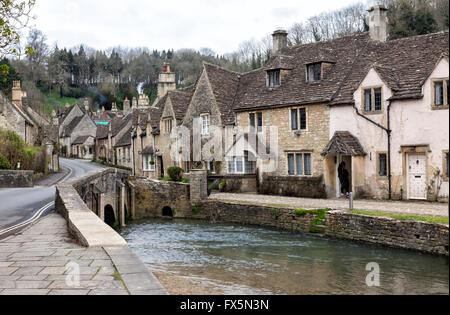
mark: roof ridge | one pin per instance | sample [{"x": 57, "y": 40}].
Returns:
[
  {"x": 220, "y": 67},
  {"x": 415, "y": 36},
  {"x": 327, "y": 40}
]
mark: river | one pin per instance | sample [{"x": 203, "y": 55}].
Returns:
[{"x": 195, "y": 257}]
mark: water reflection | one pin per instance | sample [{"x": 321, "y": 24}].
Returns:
[{"x": 249, "y": 260}]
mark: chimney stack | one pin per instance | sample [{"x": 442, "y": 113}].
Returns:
[
  {"x": 17, "y": 94},
  {"x": 279, "y": 41},
  {"x": 166, "y": 81},
  {"x": 86, "y": 104},
  {"x": 377, "y": 22},
  {"x": 126, "y": 105}
]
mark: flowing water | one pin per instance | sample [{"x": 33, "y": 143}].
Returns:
[{"x": 234, "y": 259}]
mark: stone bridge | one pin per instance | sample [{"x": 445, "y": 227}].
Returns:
[{"x": 106, "y": 192}]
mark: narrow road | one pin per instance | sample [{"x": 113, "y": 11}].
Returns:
[{"x": 22, "y": 206}]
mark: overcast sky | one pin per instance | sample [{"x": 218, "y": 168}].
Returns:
[{"x": 217, "y": 24}]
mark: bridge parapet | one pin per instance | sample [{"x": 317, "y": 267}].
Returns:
[{"x": 82, "y": 202}]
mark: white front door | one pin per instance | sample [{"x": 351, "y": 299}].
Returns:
[{"x": 417, "y": 176}]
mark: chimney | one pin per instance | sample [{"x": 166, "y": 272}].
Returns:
[
  {"x": 55, "y": 121},
  {"x": 166, "y": 81},
  {"x": 17, "y": 94},
  {"x": 279, "y": 41},
  {"x": 86, "y": 104},
  {"x": 126, "y": 105},
  {"x": 377, "y": 21}
]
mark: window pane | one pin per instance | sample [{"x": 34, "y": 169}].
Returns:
[
  {"x": 250, "y": 166},
  {"x": 231, "y": 168},
  {"x": 274, "y": 78},
  {"x": 368, "y": 100},
  {"x": 260, "y": 121},
  {"x": 439, "y": 93},
  {"x": 239, "y": 165},
  {"x": 303, "y": 125},
  {"x": 317, "y": 71},
  {"x": 252, "y": 122},
  {"x": 383, "y": 164},
  {"x": 308, "y": 164},
  {"x": 294, "y": 119},
  {"x": 291, "y": 164},
  {"x": 378, "y": 101},
  {"x": 310, "y": 73},
  {"x": 299, "y": 164}
]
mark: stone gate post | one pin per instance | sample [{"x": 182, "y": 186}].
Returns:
[{"x": 199, "y": 185}]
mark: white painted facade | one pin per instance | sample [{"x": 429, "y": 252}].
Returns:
[{"x": 418, "y": 130}]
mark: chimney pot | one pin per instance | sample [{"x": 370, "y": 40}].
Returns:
[{"x": 279, "y": 41}]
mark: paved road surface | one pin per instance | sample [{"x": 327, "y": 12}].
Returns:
[{"x": 19, "y": 206}]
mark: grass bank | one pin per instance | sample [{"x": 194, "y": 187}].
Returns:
[{"x": 429, "y": 219}]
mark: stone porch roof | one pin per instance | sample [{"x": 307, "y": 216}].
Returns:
[{"x": 344, "y": 142}]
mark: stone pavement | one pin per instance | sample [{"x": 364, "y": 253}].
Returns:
[
  {"x": 402, "y": 207},
  {"x": 40, "y": 259}
]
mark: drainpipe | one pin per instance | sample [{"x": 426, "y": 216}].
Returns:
[{"x": 388, "y": 131}]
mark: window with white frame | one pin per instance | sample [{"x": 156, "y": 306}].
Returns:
[
  {"x": 205, "y": 124},
  {"x": 148, "y": 162},
  {"x": 299, "y": 164},
  {"x": 299, "y": 119},
  {"x": 241, "y": 165}
]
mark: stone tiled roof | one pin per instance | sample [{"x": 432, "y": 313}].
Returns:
[
  {"x": 51, "y": 133},
  {"x": 80, "y": 140},
  {"x": 224, "y": 84},
  {"x": 404, "y": 65},
  {"x": 148, "y": 150},
  {"x": 344, "y": 142},
  {"x": 180, "y": 101},
  {"x": 340, "y": 53},
  {"x": 125, "y": 140},
  {"x": 102, "y": 131},
  {"x": 70, "y": 127}
]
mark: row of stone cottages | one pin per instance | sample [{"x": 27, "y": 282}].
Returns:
[
  {"x": 35, "y": 129},
  {"x": 379, "y": 105}
]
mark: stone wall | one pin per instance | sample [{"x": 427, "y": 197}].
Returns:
[
  {"x": 152, "y": 196},
  {"x": 421, "y": 236},
  {"x": 16, "y": 179},
  {"x": 425, "y": 237},
  {"x": 240, "y": 184},
  {"x": 293, "y": 186}
]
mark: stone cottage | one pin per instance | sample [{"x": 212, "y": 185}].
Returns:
[
  {"x": 17, "y": 116},
  {"x": 395, "y": 105}
]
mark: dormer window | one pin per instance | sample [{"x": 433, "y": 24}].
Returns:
[
  {"x": 314, "y": 72},
  {"x": 274, "y": 78}
]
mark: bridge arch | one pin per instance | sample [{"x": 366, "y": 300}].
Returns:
[
  {"x": 110, "y": 217},
  {"x": 167, "y": 212}
]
